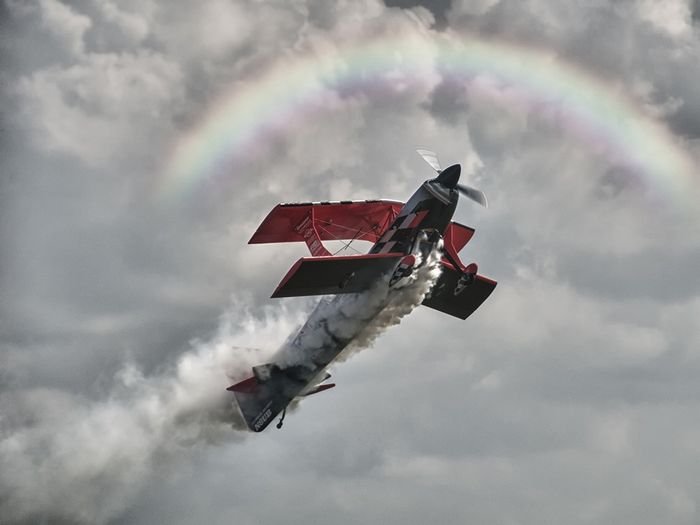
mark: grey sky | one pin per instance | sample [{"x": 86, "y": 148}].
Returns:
[{"x": 571, "y": 396}]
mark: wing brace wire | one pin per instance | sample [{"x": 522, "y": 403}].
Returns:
[{"x": 307, "y": 229}]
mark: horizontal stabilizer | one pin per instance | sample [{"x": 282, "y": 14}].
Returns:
[
  {"x": 261, "y": 400},
  {"x": 335, "y": 275},
  {"x": 317, "y": 389},
  {"x": 467, "y": 299}
]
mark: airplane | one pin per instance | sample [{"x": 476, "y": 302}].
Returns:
[{"x": 404, "y": 236}]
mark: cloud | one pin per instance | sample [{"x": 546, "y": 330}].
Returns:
[
  {"x": 66, "y": 25},
  {"x": 94, "y": 109},
  {"x": 66, "y": 456},
  {"x": 553, "y": 402},
  {"x": 438, "y": 8}
]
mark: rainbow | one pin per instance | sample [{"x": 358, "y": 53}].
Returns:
[{"x": 599, "y": 114}]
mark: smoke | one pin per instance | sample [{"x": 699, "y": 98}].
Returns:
[
  {"x": 358, "y": 319},
  {"x": 402, "y": 302},
  {"x": 66, "y": 457}
]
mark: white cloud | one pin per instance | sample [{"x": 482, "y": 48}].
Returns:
[
  {"x": 552, "y": 403},
  {"x": 134, "y": 25},
  {"x": 671, "y": 17},
  {"x": 65, "y": 24},
  {"x": 102, "y": 107}
]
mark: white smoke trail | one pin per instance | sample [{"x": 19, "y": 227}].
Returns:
[
  {"x": 65, "y": 457},
  {"x": 402, "y": 302},
  {"x": 361, "y": 318}
]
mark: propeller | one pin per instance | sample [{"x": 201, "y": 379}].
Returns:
[
  {"x": 431, "y": 158},
  {"x": 450, "y": 180},
  {"x": 473, "y": 194}
]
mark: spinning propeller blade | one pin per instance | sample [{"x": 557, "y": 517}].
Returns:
[
  {"x": 473, "y": 194},
  {"x": 431, "y": 158}
]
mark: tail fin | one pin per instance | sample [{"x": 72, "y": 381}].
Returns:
[{"x": 268, "y": 392}]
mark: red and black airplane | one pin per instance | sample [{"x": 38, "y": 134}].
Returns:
[{"x": 403, "y": 236}]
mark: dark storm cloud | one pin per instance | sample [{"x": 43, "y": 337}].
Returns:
[
  {"x": 686, "y": 122},
  {"x": 637, "y": 43},
  {"x": 695, "y": 10},
  {"x": 448, "y": 101},
  {"x": 438, "y": 8}
]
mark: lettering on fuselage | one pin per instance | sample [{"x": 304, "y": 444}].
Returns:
[{"x": 263, "y": 417}]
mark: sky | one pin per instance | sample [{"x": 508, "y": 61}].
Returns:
[{"x": 142, "y": 142}]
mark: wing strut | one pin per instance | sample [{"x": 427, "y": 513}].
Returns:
[
  {"x": 307, "y": 229},
  {"x": 453, "y": 258}
]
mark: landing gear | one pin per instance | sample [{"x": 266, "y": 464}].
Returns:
[
  {"x": 465, "y": 280},
  {"x": 468, "y": 274},
  {"x": 279, "y": 423}
]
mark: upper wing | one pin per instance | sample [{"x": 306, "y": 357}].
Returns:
[{"x": 360, "y": 220}]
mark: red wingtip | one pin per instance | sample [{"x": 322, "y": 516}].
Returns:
[{"x": 248, "y": 386}]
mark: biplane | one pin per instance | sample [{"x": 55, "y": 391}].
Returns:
[{"x": 402, "y": 236}]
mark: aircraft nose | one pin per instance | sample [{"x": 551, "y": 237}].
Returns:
[{"x": 449, "y": 177}]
